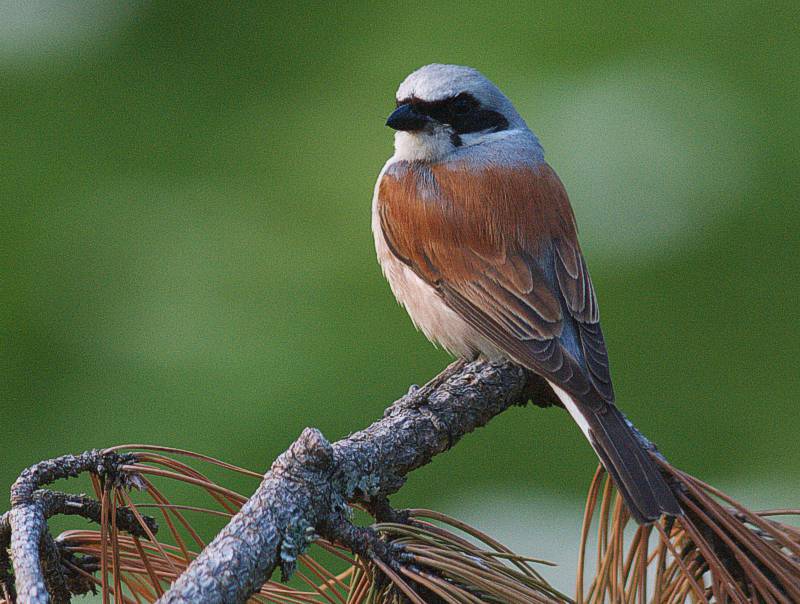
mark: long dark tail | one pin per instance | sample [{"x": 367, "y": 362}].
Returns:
[{"x": 625, "y": 458}]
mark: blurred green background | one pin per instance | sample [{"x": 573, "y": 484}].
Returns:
[{"x": 187, "y": 260}]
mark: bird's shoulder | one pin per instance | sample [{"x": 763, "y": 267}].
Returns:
[{"x": 490, "y": 210}]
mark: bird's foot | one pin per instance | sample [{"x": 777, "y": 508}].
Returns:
[
  {"x": 367, "y": 543},
  {"x": 380, "y": 509}
]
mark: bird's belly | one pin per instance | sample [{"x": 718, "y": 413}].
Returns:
[{"x": 440, "y": 324}]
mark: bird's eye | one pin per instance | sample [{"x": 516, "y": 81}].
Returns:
[{"x": 461, "y": 105}]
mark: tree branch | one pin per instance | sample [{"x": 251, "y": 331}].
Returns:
[
  {"x": 30, "y": 508},
  {"x": 304, "y": 495},
  {"x": 307, "y": 490}
]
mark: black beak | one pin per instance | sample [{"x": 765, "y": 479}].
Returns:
[{"x": 405, "y": 118}]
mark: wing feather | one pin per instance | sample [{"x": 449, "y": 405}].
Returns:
[{"x": 501, "y": 248}]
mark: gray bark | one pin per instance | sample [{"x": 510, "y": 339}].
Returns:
[
  {"x": 307, "y": 489},
  {"x": 305, "y": 493},
  {"x": 27, "y": 521}
]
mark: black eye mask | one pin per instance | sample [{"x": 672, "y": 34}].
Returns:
[{"x": 463, "y": 113}]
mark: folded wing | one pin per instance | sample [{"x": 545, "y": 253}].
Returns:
[{"x": 500, "y": 246}]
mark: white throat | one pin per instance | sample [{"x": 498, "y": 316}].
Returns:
[{"x": 428, "y": 146}]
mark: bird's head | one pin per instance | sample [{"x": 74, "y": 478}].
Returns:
[{"x": 444, "y": 108}]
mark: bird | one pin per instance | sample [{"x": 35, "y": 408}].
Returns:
[{"x": 476, "y": 236}]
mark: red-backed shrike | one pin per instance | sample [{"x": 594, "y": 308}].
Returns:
[{"x": 475, "y": 233}]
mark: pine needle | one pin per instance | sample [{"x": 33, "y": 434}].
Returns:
[{"x": 719, "y": 552}]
